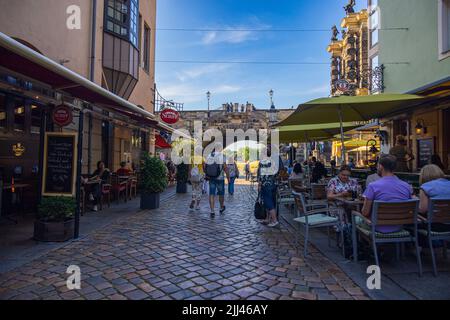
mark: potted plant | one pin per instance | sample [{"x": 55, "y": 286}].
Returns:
[
  {"x": 153, "y": 181},
  {"x": 182, "y": 177},
  {"x": 55, "y": 222}
]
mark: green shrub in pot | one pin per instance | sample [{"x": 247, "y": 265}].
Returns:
[
  {"x": 153, "y": 181},
  {"x": 56, "y": 209}
]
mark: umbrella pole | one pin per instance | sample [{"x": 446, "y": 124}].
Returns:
[{"x": 342, "y": 134}]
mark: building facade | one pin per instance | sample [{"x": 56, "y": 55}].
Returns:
[
  {"x": 413, "y": 46},
  {"x": 349, "y": 54},
  {"x": 111, "y": 43}
]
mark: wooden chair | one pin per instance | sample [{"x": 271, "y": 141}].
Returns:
[
  {"x": 311, "y": 218},
  {"x": 388, "y": 214},
  {"x": 438, "y": 212},
  {"x": 133, "y": 187},
  {"x": 119, "y": 187}
]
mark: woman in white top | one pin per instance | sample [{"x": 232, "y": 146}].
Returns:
[{"x": 297, "y": 172}]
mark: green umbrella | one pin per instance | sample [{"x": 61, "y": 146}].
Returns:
[
  {"x": 350, "y": 108},
  {"x": 314, "y": 132}
]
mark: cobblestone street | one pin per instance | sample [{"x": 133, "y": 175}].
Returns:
[{"x": 172, "y": 253}]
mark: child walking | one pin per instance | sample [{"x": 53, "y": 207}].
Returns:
[{"x": 197, "y": 178}]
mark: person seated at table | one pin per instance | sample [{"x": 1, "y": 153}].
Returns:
[
  {"x": 297, "y": 172},
  {"x": 351, "y": 163},
  {"x": 374, "y": 176},
  {"x": 389, "y": 188},
  {"x": 342, "y": 185},
  {"x": 102, "y": 175},
  {"x": 433, "y": 185},
  {"x": 318, "y": 170},
  {"x": 123, "y": 170}
]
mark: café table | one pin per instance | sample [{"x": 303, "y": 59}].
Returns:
[{"x": 89, "y": 186}]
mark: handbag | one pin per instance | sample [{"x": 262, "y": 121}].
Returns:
[{"x": 260, "y": 212}]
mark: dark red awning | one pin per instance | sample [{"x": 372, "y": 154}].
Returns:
[{"x": 161, "y": 143}]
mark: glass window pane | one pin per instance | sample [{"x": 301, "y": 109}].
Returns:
[
  {"x": 110, "y": 26},
  {"x": 2, "y": 112},
  {"x": 124, "y": 32},
  {"x": 19, "y": 115},
  {"x": 374, "y": 37},
  {"x": 35, "y": 119},
  {"x": 110, "y": 12},
  {"x": 116, "y": 28},
  {"x": 118, "y": 16},
  {"x": 375, "y": 62}
]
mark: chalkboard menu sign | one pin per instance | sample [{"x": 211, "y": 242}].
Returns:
[
  {"x": 425, "y": 149},
  {"x": 60, "y": 156}
]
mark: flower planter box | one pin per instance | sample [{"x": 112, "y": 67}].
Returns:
[
  {"x": 149, "y": 201},
  {"x": 54, "y": 231}
]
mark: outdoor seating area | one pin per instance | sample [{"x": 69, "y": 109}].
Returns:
[{"x": 357, "y": 236}]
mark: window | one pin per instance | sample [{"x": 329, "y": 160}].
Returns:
[
  {"x": 19, "y": 115},
  {"x": 147, "y": 38},
  {"x": 374, "y": 62},
  {"x": 374, "y": 26},
  {"x": 121, "y": 18},
  {"x": 134, "y": 21},
  {"x": 3, "y": 114},
  {"x": 35, "y": 119},
  {"x": 373, "y": 5},
  {"x": 444, "y": 28}
]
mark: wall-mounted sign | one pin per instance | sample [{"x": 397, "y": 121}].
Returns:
[
  {"x": 60, "y": 156},
  {"x": 62, "y": 115},
  {"x": 170, "y": 116},
  {"x": 18, "y": 149},
  {"x": 342, "y": 85}
]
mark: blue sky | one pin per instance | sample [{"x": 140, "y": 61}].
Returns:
[{"x": 292, "y": 84}]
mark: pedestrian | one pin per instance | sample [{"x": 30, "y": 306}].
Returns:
[
  {"x": 267, "y": 184},
  {"x": 318, "y": 171},
  {"x": 215, "y": 172},
  {"x": 232, "y": 174},
  {"x": 402, "y": 153},
  {"x": 247, "y": 170},
  {"x": 197, "y": 178}
]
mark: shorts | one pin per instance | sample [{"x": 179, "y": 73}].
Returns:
[{"x": 216, "y": 187}]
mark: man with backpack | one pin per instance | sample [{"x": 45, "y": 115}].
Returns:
[{"x": 215, "y": 171}]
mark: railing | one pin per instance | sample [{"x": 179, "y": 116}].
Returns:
[{"x": 161, "y": 103}]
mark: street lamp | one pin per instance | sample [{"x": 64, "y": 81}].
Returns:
[
  {"x": 271, "y": 97},
  {"x": 208, "y": 96}
]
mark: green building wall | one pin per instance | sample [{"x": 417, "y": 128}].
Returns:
[{"x": 410, "y": 57}]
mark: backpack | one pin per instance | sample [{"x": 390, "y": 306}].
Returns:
[
  {"x": 232, "y": 170},
  {"x": 213, "y": 170},
  {"x": 195, "y": 175}
]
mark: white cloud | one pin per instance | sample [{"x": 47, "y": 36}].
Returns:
[
  {"x": 233, "y": 36},
  {"x": 200, "y": 71}
]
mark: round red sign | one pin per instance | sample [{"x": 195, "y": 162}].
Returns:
[
  {"x": 170, "y": 116},
  {"x": 342, "y": 85},
  {"x": 62, "y": 115}
]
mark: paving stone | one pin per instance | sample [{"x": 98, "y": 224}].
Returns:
[{"x": 143, "y": 256}]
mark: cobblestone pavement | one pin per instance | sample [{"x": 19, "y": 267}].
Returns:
[{"x": 172, "y": 253}]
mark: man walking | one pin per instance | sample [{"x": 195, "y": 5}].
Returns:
[{"x": 215, "y": 171}]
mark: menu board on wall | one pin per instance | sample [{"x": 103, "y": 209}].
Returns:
[
  {"x": 60, "y": 156},
  {"x": 425, "y": 149}
]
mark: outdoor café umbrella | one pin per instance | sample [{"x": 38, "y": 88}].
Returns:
[
  {"x": 311, "y": 132},
  {"x": 349, "y": 108}
]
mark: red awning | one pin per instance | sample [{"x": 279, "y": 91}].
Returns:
[{"x": 161, "y": 143}]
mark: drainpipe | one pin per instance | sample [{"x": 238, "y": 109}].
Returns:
[{"x": 92, "y": 77}]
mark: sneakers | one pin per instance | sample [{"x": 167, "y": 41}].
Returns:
[
  {"x": 191, "y": 207},
  {"x": 273, "y": 224},
  {"x": 95, "y": 208},
  {"x": 91, "y": 197},
  {"x": 212, "y": 214},
  {"x": 222, "y": 210},
  {"x": 197, "y": 208}
]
